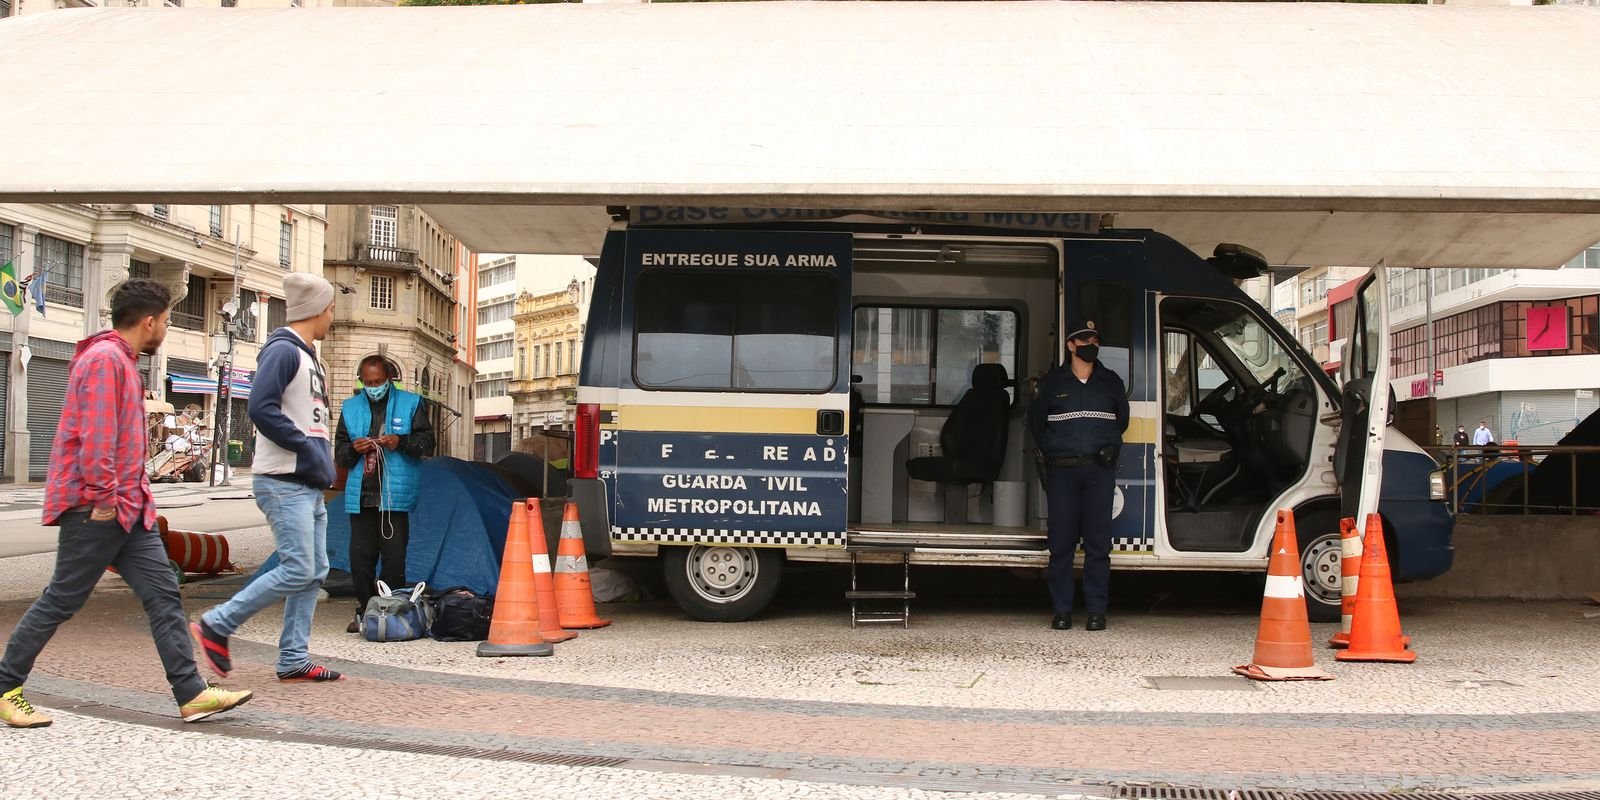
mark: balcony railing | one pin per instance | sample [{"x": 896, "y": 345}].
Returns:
[
  {"x": 56, "y": 293},
  {"x": 187, "y": 321},
  {"x": 386, "y": 256},
  {"x": 1501, "y": 479}
]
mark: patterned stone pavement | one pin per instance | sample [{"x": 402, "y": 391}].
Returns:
[{"x": 102, "y": 665}]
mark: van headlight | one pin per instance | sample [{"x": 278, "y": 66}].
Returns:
[{"x": 1436, "y": 485}]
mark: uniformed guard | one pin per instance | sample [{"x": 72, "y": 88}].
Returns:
[{"x": 1077, "y": 420}]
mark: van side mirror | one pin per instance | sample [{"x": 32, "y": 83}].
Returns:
[{"x": 1238, "y": 262}]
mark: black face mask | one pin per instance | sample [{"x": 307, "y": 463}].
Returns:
[{"x": 1088, "y": 352}]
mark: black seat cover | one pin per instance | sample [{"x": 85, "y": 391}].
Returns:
[{"x": 974, "y": 436}]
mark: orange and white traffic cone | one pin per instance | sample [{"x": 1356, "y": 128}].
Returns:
[
  {"x": 1375, "y": 632},
  {"x": 1283, "y": 640},
  {"x": 543, "y": 582},
  {"x": 574, "y": 594},
  {"x": 514, "y": 627},
  {"x": 1350, "y": 578}
]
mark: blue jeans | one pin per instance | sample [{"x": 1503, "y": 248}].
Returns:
[
  {"x": 299, "y": 523},
  {"x": 86, "y": 548}
]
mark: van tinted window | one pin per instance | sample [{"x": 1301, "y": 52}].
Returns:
[
  {"x": 756, "y": 332},
  {"x": 1109, "y": 305}
]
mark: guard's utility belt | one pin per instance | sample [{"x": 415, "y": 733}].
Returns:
[{"x": 1106, "y": 457}]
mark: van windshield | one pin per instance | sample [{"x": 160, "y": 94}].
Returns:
[{"x": 1255, "y": 347}]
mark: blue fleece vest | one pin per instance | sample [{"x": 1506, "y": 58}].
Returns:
[{"x": 399, "y": 490}]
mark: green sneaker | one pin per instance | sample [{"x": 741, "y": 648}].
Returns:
[
  {"x": 212, "y": 701},
  {"x": 19, "y": 713}
]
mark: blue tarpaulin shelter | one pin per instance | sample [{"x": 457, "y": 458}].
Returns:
[{"x": 458, "y": 531}]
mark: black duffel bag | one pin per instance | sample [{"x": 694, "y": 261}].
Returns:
[{"x": 459, "y": 615}]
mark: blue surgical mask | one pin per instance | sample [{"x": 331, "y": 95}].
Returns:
[{"x": 377, "y": 392}]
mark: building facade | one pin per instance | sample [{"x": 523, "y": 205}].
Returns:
[
  {"x": 84, "y": 251},
  {"x": 1518, "y": 349},
  {"x": 494, "y": 350},
  {"x": 549, "y": 344},
  {"x": 1313, "y": 322},
  {"x": 502, "y": 279},
  {"x": 396, "y": 271}
]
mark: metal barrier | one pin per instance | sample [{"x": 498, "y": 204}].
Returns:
[{"x": 1468, "y": 473}]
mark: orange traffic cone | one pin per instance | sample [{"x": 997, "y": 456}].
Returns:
[
  {"x": 1283, "y": 641},
  {"x": 549, "y": 619},
  {"x": 514, "y": 627},
  {"x": 574, "y": 595},
  {"x": 1350, "y": 575},
  {"x": 1375, "y": 630}
]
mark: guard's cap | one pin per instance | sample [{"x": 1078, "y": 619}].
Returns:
[{"x": 1082, "y": 329}]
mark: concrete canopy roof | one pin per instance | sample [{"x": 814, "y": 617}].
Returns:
[{"x": 1318, "y": 133}]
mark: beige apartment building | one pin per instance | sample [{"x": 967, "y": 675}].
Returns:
[
  {"x": 398, "y": 278},
  {"x": 85, "y": 251},
  {"x": 549, "y": 343},
  {"x": 501, "y": 280}
]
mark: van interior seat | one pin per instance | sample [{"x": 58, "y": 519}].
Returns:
[{"x": 973, "y": 440}]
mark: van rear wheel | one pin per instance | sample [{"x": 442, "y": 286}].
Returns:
[{"x": 716, "y": 583}]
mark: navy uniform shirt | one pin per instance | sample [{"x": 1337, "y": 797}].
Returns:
[{"x": 1072, "y": 418}]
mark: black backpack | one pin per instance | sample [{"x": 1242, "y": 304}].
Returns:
[{"x": 460, "y": 616}]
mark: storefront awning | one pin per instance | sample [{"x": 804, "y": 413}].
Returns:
[{"x": 238, "y": 388}]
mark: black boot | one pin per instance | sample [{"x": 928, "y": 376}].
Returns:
[
  {"x": 1097, "y": 622},
  {"x": 1062, "y": 621}
]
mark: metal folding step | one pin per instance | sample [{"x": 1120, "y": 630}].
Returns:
[
  {"x": 1007, "y": 539},
  {"x": 857, "y": 595}
]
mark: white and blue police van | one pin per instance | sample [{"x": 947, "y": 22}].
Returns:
[{"x": 758, "y": 386}]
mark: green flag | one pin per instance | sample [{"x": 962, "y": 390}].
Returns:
[{"x": 10, "y": 289}]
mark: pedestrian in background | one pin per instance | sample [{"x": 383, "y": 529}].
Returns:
[
  {"x": 384, "y": 430},
  {"x": 99, "y": 495},
  {"x": 1482, "y": 436},
  {"x": 1077, "y": 422},
  {"x": 293, "y": 465}
]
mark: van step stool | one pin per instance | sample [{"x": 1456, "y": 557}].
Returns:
[{"x": 857, "y": 595}]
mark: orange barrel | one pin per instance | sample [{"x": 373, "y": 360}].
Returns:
[{"x": 204, "y": 553}]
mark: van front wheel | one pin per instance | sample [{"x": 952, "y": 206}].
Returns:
[
  {"x": 722, "y": 584},
  {"x": 1320, "y": 557}
]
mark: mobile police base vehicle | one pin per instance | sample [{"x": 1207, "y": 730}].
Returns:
[{"x": 760, "y": 385}]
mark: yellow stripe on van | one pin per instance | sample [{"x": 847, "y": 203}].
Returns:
[
  {"x": 1142, "y": 430},
  {"x": 732, "y": 419},
  {"x": 717, "y": 419}
]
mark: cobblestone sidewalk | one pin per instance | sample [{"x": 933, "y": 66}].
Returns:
[{"x": 904, "y": 746}]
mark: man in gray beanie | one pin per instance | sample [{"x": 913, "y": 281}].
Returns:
[{"x": 293, "y": 464}]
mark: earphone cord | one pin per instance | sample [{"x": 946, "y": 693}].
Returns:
[{"x": 385, "y": 516}]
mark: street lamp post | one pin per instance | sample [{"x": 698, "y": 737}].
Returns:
[{"x": 230, "y": 319}]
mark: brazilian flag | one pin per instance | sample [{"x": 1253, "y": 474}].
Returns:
[{"x": 10, "y": 289}]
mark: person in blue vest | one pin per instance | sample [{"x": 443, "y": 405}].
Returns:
[{"x": 384, "y": 434}]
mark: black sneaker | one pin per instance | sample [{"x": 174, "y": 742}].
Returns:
[
  {"x": 1097, "y": 622},
  {"x": 1062, "y": 621},
  {"x": 213, "y": 647},
  {"x": 310, "y": 673},
  {"x": 355, "y": 624}
]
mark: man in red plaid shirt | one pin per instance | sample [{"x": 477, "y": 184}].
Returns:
[{"x": 99, "y": 495}]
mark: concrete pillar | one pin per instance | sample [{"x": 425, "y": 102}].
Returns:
[
  {"x": 105, "y": 269},
  {"x": 175, "y": 276},
  {"x": 17, "y": 440}
]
